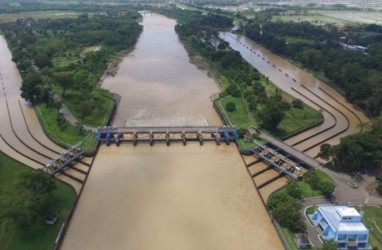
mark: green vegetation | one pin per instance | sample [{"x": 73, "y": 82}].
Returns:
[
  {"x": 289, "y": 237},
  {"x": 256, "y": 101},
  {"x": 319, "y": 181},
  {"x": 285, "y": 205},
  {"x": 356, "y": 152},
  {"x": 318, "y": 48},
  {"x": 59, "y": 66},
  {"x": 61, "y": 131},
  {"x": 26, "y": 197},
  {"x": 373, "y": 220}
]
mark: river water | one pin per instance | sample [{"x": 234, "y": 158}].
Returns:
[
  {"x": 157, "y": 83},
  {"x": 167, "y": 197}
]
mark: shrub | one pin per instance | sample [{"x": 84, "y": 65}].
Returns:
[
  {"x": 298, "y": 104},
  {"x": 230, "y": 107}
]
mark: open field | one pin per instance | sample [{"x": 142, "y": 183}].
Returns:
[
  {"x": 336, "y": 17},
  {"x": 38, "y": 15}
]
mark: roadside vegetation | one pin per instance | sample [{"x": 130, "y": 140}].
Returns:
[
  {"x": 357, "y": 153},
  {"x": 248, "y": 98},
  {"x": 62, "y": 61},
  {"x": 27, "y": 198}
]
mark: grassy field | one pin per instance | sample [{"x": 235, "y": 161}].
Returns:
[
  {"x": 336, "y": 17},
  {"x": 240, "y": 117},
  {"x": 40, "y": 235},
  {"x": 295, "y": 119},
  {"x": 289, "y": 237},
  {"x": 68, "y": 135},
  {"x": 38, "y": 15},
  {"x": 95, "y": 119},
  {"x": 373, "y": 220},
  {"x": 291, "y": 40}
]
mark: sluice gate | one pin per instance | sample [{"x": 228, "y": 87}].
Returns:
[
  {"x": 64, "y": 159},
  {"x": 167, "y": 135},
  {"x": 279, "y": 161}
]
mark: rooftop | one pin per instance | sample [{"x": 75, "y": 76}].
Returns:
[
  {"x": 334, "y": 216},
  {"x": 347, "y": 211}
]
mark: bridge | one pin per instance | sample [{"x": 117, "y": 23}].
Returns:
[
  {"x": 167, "y": 135},
  {"x": 64, "y": 159},
  {"x": 283, "y": 162}
]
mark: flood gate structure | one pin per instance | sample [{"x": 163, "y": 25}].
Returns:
[
  {"x": 64, "y": 159},
  {"x": 282, "y": 163},
  {"x": 167, "y": 135}
]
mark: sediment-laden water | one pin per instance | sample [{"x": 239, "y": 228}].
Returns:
[{"x": 167, "y": 197}]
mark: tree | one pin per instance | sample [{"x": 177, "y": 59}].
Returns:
[
  {"x": 325, "y": 151},
  {"x": 287, "y": 213},
  {"x": 271, "y": 116},
  {"x": 86, "y": 107},
  {"x": 35, "y": 198},
  {"x": 65, "y": 81},
  {"x": 30, "y": 89},
  {"x": 233, "y": 90},
  {"x": 298, "y": 104},
  {"x": 293, "y": 189},
  {"x": 230, "y": 107}
]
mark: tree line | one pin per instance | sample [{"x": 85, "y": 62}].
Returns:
[
  {"x": 199, "y": 34},
  {"x": 319, "y": 49},
  {"x": 51, "y": 57}
]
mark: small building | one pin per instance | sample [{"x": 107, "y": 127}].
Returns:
[
  {"x": 302, "y": 240},
  {"x": 342, "y": 224},
  {"x": 247, "y": 137}
]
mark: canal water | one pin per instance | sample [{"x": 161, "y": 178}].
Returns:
[
  {"x": 167, "y": 197},
  {"x": 341, "y": 117},
  {"x": 18, "y": 134}
]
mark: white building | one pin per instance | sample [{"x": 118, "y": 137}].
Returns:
[{"x": 342, "y": 224}]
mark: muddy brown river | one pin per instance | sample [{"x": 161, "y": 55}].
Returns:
[
  {"x": 167, "y": 197},
  {"x": 341, "y": 117}
]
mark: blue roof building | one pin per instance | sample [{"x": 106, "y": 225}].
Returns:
[{"x": 342, "y": 224}]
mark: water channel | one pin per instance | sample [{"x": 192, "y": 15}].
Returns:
[
  {"x": 160, "y": 197},
  {"x": 341, "y": 117}
]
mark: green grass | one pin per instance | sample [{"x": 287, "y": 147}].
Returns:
[
  {"x": 61, "y": 62},
  {"x": 292, "y": 40},
  {"x": 246, "y": 145},
  {"x": 311, "y": 210},
  {"x": 5, "y": 17},
  {"x": 40, "y": 235},
  {"x": 296, "y": 120},
  {"x": 239, "y": 117},
  {"x": 289, "y": 237},
  {"x": 93, "y": 120},
  {"x": 67, "y": 136},
  {"x": 308, "y": 191},
  {"x": 371, "y": 214}
]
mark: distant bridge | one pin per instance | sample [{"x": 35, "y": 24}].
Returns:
[{"x": 167, "y": 135}]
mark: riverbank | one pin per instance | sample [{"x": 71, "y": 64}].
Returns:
[
  {"x": 145, "y": 197},
  {"x": 245, "y": 115},
  {"x": 65, "y": 69}
]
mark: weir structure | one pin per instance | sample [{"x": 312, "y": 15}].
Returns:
[
  {"x": 64, "y": 159},
  {"x": 150, "y": 135},
  {"x": 284, "y": 162}
]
